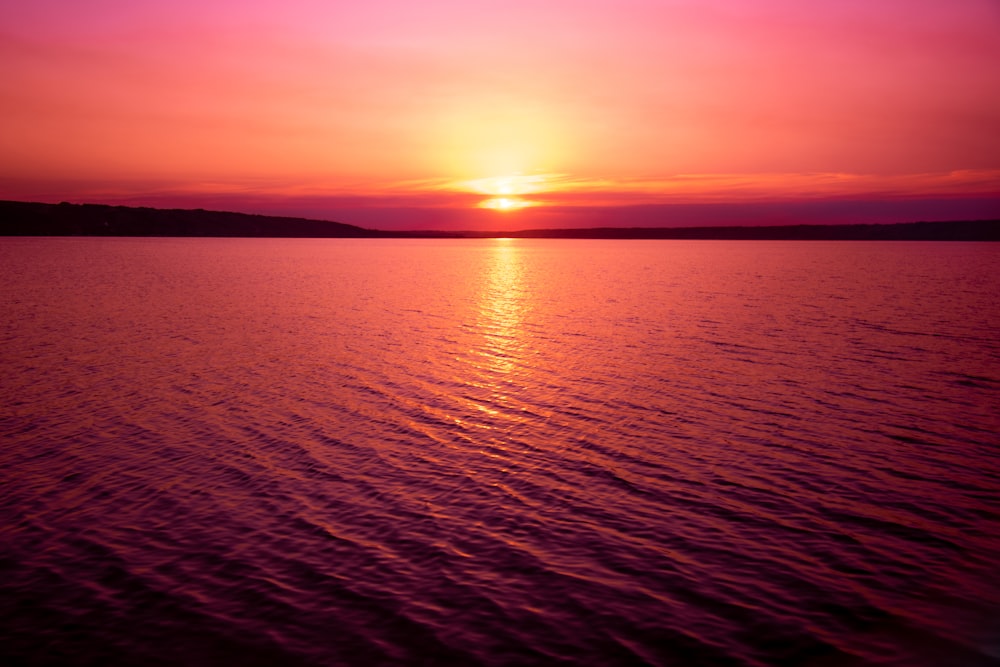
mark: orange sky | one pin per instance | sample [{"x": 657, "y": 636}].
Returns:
[{"x": 397, "y": 114}]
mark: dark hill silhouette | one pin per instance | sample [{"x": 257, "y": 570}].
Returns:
[
  {"x": 31, "y": 219},
  {"x": 34, "y": 219}
]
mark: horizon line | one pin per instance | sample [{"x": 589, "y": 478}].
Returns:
[{"x": 37, "y": 217}]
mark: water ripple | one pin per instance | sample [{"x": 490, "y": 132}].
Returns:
[{"x": 498, "y": 453}]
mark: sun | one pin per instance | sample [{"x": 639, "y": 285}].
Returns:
[
  {"x": 505, "y": 203},
  {"x": 506, "y": 193}
]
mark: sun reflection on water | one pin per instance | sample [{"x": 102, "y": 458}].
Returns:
[{"x": 502, "y": 306}]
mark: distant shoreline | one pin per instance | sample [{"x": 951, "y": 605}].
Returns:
[{"x": 38, "y": 219}]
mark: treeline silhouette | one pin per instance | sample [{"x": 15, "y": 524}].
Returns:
[{"x": 36, "y": 219}]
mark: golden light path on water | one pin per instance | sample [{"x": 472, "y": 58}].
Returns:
[{"x": 502, "y": 305}]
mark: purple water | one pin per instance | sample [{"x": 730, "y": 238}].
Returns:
[{"x": 499, "y": 452}]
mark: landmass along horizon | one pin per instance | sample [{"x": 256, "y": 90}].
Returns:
[{"x": 65, "y": 219}]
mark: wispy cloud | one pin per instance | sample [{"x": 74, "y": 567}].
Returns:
[
  {"x": 568, "y": 190},
  {"x": 550, "y": 189}
]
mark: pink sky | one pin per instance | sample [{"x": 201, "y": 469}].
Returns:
[{"x": 392, "y": 114}]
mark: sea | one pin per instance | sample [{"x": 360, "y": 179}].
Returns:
[{"x": 499, "y": 452}]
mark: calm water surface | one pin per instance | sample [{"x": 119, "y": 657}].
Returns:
[{"x": 494, "y": 452}]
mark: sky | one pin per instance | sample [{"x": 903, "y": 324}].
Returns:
[{"x": 449, "y": 114}]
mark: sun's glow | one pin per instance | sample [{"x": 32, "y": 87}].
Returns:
[{"x": 484, "y": 132}]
